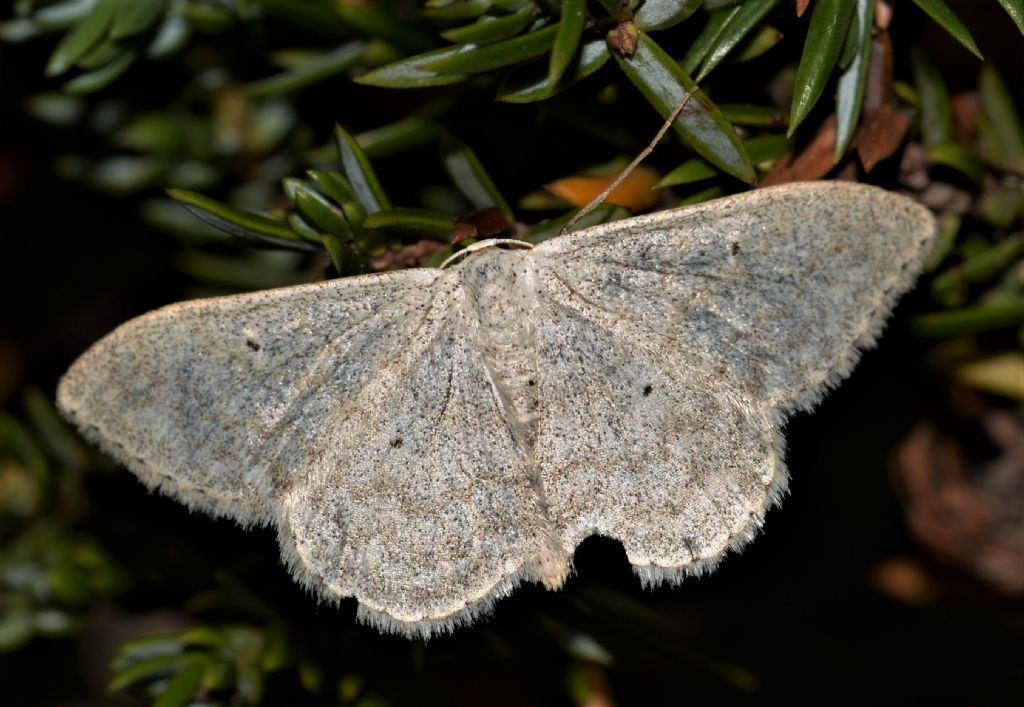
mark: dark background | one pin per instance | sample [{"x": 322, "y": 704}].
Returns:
[{"x": 800, "y": 613}]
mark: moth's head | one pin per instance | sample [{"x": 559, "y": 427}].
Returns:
[{"x": 492, "y": 246}]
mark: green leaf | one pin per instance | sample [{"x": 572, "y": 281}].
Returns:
[
  {"x": 238, "y": 222},
  {"x": 52, "y": 431},
  {"x": 959, "y": 157},
  {"x": 403, "y": 134},
  {"x": 757, "y": 44},
  {"x": 984, "y": 264},
  {"x": 946, "y": 233},
  {"x": 316, "y": 209},
  {"x": 737, "y": 27},
  {"x": 612, "y": 7},
  {"x": 1001, "y": 129},
  {"x": 1000, "y": 208},
  {"x": 410, "y": 72},
  {"x": 933, "y": 100},
  {"x": 151, "y": 668},
  {"x": 767, "y": 148},
  {"x": 529, "y": 83},
  {"x": 135, "y": 16},
  {"x": 1000, "y": 373},
  {"x": 701, "y": 196},
  {"x": 661, "y": 14},
  {"x": 123, "y": 174},
  {"x": 471, "y": 178},
  {"x": 183, "y": 686},
  {"x": 478, "y": 60},
  {"x": 435, "y": 259},
  {"x": 305, "y": 229},
  {"x": 278, "y": 653},
  {"x": 969, "y": 320},
  {"x": 567, "y": 38},
  {"x": 754, "y": 116},
  {"x": 172, "y": 36},
  {"x": 852, "y": 43},
  {"x": 343, "y": 256},
  {"x": 938, "y": 11},
  {"x": 208, "y": 17},
  {"x": 706, "y": 39},
  {"x": 490, "y": 28},
  {"x": 763, "y": 148},
  {"x": 77, "y": 43},
  {"x": 103, "y": 53},
  {"x": 137, "y": 649},
  {"x": 311, "y": 72},
  {"x": 552, "y": 227},
  {"x": 16, "y": 441},
  {"x": 456, "y": 10},
  {"x": 357, "y": 170},
  {"x": 850, "y": 89},
  {"x": 830, "y": 20},
  {"x": 318, "y": 17},
  {"x": 701, "y": 124},
  {"x": 375, "y": 20},
  {"x": 980, "y": 266},
  {"x": 340, "y": 191},
  {"x": 1015, "y": 9},
  {"x": 19, "y": 30},
  {"x": 432, "y": 224},
  {"x": 17, "y": 627},
  {"x": 61, "y": 15},
  {"x": 101, "y": 77},
  {"x": 693, "y": 170},
  {"x": 260, "y": 269},
  {"x": 168, "y": 216},
  {"x": 712, "y": 5}
]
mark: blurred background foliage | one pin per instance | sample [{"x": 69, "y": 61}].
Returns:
[{"x": 152, "y": 150}]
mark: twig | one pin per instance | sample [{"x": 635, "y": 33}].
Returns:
[{"x": 597, "y": 200}]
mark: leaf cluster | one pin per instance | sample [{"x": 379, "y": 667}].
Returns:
[
  {"x": 272, "y": 196},
  {"x": 51, "y": 574},
  {"x": 977, "y": 265}
]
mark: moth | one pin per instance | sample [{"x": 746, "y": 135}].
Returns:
[{"x": 426, "y": 440}]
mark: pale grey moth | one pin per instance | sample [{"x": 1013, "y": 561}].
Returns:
[{"x": 425, "y": 440}]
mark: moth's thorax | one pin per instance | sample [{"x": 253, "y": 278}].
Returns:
[
  {"x": 498, "y": 284},
  {"x": 500, "y": 303}
]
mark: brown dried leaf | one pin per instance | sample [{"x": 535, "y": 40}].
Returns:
[
  {"x": 848, "y": 172},
  {"x": 945, "y": 197},
  {"x": 914, "y": 164},
  {"x": 881, "y": 135},
  {"x": 814, "y": 162},
  {"x": 965, "y": 108},
  {"x": 597, "y": 688},
  {"x": 636, "y": 192},
  {"x": 12, "y": 174},
  {"x": 904, "y": 579},
  {"x": 801, "y": 7},
  {"x": 408, "y": 256},
  {"x": 965, "y": 512},
  {"x": 623, "y": 38},
  {"x": 485, "y": 223},
  {"x": 883, "y": 14},
  {"x": 878, "y": 88},
  {"x": 463, "y": 231}
]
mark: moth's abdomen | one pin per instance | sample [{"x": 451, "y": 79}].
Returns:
[{"x": 501, "y": 301}]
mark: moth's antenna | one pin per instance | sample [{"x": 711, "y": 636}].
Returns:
[
  {"x": 490, "y": 243},
  {"x": 631, "y": 166}
]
